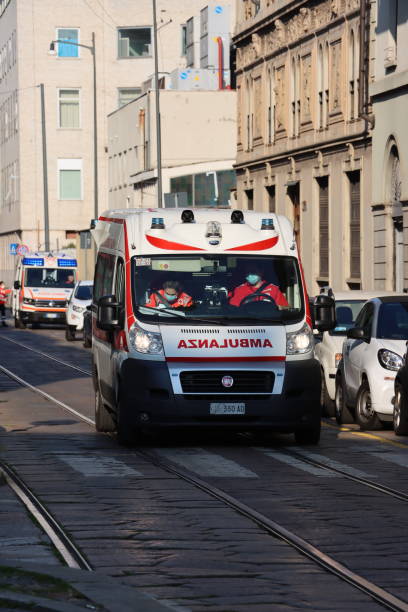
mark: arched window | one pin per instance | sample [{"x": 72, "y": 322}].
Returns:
[
  {"x": 352, "y": 77},
  {"x": 326, "y": 103}
]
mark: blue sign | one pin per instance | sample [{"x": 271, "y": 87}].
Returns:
[
  {"x": 13, "y": 248},
  {"x": 184, "y": 75},
  {"x": 218, "y": 10}
]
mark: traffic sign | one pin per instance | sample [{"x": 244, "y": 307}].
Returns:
[
  {"x": 22, "y": 249},
  {"x": 13, "y": 248}
]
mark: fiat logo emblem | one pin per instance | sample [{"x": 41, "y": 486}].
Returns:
[{"x": 227, "y": 381}]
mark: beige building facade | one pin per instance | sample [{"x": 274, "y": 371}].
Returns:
[
  {"x": 124, "y": 60},
  {"x": 304, "y": 131}
]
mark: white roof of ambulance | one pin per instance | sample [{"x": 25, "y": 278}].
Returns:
[{"x": 179, "y": 237}]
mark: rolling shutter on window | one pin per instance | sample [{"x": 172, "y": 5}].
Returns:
[
  {"x": 355, "y": 224},
  {"x": 324, "y": 226}
]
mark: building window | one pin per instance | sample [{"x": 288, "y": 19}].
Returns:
[
  {"x": 70, "y": 179},
  {"x": 68, "y": 103},
  {"x": 71, "y": 36},
  {"x": 355, "y": 264},
  {"x": 184, "y": 40},
  {"x": 135, "y": 42},
  {"x": 270, "y": 190},
  {"x": 271, "y": 106},
  {"x": 205, "y": 189},
  {"x": 323, "y": 226},
  {"x": 249, "y": 199},
  {"x": 126, "y": 95}
]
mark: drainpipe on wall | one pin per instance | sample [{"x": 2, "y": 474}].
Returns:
[
  {"x": 220, "y": 63},
  {"x": 364, "y": 63}
]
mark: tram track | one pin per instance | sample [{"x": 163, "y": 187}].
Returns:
[
  {"x": 326, "y": 562},
  {"x": 62, "y": 542}
]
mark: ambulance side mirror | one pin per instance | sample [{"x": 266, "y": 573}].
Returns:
[
  {"x": 108, "y": 313},
  {"x": 17, "y": 285},
  {"x": 324, "y": 313}
]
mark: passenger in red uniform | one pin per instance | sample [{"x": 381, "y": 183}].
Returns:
[
  {"x": 170, "y": 296},
  {"x": 257, "y": 287},
  {"x": 3, "y": 301}
]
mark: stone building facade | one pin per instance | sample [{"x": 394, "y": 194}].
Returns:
[
  {"x": 389, "y": 95},
  {"x": 304, "y": 130}
]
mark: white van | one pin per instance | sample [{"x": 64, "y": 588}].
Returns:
[
  {"x": 201, "y": 319},
  {"x": 42, "y": 287}
]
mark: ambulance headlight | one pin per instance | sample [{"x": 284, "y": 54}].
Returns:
[
  {"x": 28, "y": 301},
  {"x": 300, "y": 341},
  {"x": 145, "y": 342}
]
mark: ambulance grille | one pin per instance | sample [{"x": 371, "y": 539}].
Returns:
[
  {"x": 211, "y": 382},
  {"x": 51, "y": 303}
]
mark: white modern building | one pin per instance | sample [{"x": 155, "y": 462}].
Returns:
[
  {"x": 389, "y": 95},
  {"x": 123, "y": 53}
]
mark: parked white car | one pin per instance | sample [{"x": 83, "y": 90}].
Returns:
[
  {"x": 329, "y": 346},
  {"x": 372, "y": 355},
  {"x": 81, "y": 298}
]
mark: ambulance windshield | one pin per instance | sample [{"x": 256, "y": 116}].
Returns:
[
  {"x": 49, "y": 277},
  {"x": 217, "y": 288}
]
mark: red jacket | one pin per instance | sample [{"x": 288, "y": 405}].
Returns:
[
  {"x": 183, "y": 300},
  {"x": 3, "y": 295},
  {"x": 242, "y": 291}
]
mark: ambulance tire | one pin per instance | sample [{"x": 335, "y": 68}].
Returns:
[
  {"x": 127, "y": 434},
  {"x": 308, "y": 436},
  {"x": 19, "y": 323},
  {"x": 69, "y": 333},
  {"x": 103, "y": 418}
]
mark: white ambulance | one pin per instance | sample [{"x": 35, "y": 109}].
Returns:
[
  {"x": 201, "y": 319},
  {"x": 42, "y": 287}
]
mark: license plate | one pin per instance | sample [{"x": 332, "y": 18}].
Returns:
[
  {"x": 51, "y": 315},
  {"x": 227, "y": 408}
]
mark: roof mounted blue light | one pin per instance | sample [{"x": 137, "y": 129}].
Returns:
[
  {"x": 33, "y": 261},
  {"x": 157, "y": 223},
  {"x": 67, "y": 263},
  {"x": 267, "y": 224}
]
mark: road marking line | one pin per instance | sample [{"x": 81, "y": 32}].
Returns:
[
  {"x": 397, "y": 458},
  {"x": 297, "y": 463},
  {"x": 331, "y": 463},
  {"x": 97, "y": 466},
  {"x": 204, "y": 463},
  {"x": 363, "y": 434}
]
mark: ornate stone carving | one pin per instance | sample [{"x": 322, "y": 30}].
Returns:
[
  {"x": 306, "y": 94},
  {"x": 283, "y": 33},
  {"x": 280, "y": 98},
  {"x": 335, "y": 84},
  {"x": 257, "y": 89}
]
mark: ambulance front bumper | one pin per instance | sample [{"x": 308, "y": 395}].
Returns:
[
  {"x": 43, "y": 316},
  {"x": 149, "y": 400}
]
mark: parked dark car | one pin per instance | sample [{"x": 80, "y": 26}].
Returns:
[
  {"x": 88, "y": 327},
  {"x": 400, "y": 416}
]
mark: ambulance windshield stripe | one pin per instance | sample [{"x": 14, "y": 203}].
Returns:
[
  {"x": 160, "y": 243},
  {"x": 257, "y": 246}
]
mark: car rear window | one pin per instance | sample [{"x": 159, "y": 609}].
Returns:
[
  {"x": 346, "y": 314},
  {"x": 393, "y": 321}
]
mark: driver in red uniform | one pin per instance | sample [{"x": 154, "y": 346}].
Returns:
[
  {"x": 170, "y": 296},
  {"x": 257, "y": 287}
]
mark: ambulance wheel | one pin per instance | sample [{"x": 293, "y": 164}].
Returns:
[
  {"x": 69, "y": 333},
  {"x": 308, "y": 436},
  {"x": 127, "y": 434},
  {"x": 103, "y": 418},
  {"x": 19, "y": 323}
]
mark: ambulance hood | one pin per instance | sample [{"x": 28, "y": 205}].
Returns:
[{"x": 47, "y": 293}]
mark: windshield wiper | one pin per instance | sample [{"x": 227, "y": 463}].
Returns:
[
  {"x": 183, "y": 316},
  {"x": 170, "y": 311}
]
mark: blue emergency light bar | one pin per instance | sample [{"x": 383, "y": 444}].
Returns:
[
  {"x": 67, "y": 263},
  {"x": 33, "y": 261}
]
